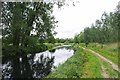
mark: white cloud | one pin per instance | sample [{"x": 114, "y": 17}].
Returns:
[{"x": 73, "y": 19}]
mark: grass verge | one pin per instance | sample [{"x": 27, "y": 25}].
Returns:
[
  {"x": 108, "y": 51},
  {"x": 72, "y": 67},
  {"x": 82, "y": 64},
  {"x": 92, "y": 67},
  {"x": 109, "y": 70}
]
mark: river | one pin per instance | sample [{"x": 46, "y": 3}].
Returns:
[{"x": 36, "y": 65}]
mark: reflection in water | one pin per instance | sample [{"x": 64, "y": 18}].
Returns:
[
  {"x": 26, "y": 67},
  {"x": 61, "y": 55},
  {"x": 34, "y": 65},
  {"x": 7, "y": 69}
]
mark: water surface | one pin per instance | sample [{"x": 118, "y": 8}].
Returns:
[{"x": 36, "y": 65}]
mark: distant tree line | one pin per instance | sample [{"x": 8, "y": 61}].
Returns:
[
  {"x": 104, "y": 30},
  {"x": 61, "y": 40}
]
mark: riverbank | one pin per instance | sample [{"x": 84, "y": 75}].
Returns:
[
  {"x": 80, "y": 65},
  {"x": 72, "y": 67},
  {"x": 10, "y": 50},
  {"x": 39, "y": 64},
  {"x": 84, "y": 64}
]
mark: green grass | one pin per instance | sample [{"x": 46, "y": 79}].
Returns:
[
  {"x": 82, "y": 64},
  {"x": 108, "y": 55},
  {"x": 71, "y": 68},
  {"x": 109, "y": 51},
  {"x": 92, "y": 67},
  {"x": 109, "y": 70},
  {"x": 51, "y": 45}
]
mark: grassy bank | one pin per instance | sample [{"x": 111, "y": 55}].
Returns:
[
  {"x": 82, "y": 64},
  {"x": 10, "y": 50},
  {"x": 72, "y": 67},
  {"x": 109, "y": 51},
  {"x": 92, "y": 67},
  {"x": 50, "y": 45}
]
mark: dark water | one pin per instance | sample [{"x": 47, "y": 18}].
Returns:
[{"x": 36, "y": 65}]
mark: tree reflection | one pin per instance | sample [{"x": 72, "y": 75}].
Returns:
[{"x": 26, "y": 67}]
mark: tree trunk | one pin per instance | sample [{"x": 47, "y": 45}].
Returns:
[
  {"x": 16, "y": 68},
  {"x": 27, "y": 72}
]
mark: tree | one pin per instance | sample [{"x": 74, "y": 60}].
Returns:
[
  {"x": 81, "y": 37},
  {"x": 87, "y": 36},
  {"x": 19, "y": 20},
  {"x": 24, "y": 25},
  {"x": 76, "y": 40}
]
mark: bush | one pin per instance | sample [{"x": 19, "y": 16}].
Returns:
[
  {"x": 50, "y": 46},
  {"x": 37, "y": 48}
]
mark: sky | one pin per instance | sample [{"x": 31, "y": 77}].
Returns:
[{"x": 73, "y": 19}]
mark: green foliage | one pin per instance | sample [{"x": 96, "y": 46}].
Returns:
[
  {"x": 49, "y": 45},
  {"x": 37, "y": 48},
  {"x": 76, "y": 39},
  {"x": 60, "y": 40},
  {"x": 109, "y": 51},
  {"x": 75, "y": 47},
  {"x": 21, "y": 19},
  {"x": 67, "y": 40},
  {"x": 92, "y": 68},
  {"x": 12, "y": 50},
  {"x": 9, "y": 50},
  {"x": 71, "y": 68},
  {"x": 104, "y": 30},
  {"x": 79, "y": 38}
]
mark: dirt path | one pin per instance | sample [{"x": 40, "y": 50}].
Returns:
[
  {"x": 114, "y": 66},
  {"x": 104, "y": 74}
]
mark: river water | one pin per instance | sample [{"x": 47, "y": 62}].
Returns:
[{"x": 36, "y": 65}]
